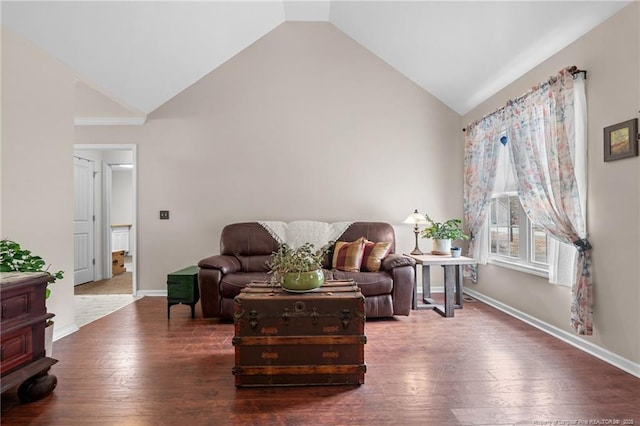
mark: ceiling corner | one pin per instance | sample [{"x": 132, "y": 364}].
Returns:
[{"x": 307, "y": 10}]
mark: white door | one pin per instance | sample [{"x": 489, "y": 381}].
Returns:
[{"x": 83, "y": 220}]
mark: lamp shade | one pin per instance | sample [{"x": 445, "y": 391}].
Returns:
[{"x": 416, "y": 218}]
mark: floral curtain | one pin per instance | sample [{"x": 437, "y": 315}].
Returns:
[
  {"x": 562, "y": 256},
  {"x": 548, "y": 151},
  {"x": 480, "y": 163},
  {"x": 541, "y": 128}
]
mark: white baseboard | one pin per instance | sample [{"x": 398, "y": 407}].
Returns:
[
  {"x": 434, "y": 290},
  {"x": 152, "y": 293},
  {"x": 59, "y": 333},
  {"x": 588, "y": 347}
]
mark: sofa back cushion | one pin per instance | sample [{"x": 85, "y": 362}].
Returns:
[
  {"x": 373, "y": 231},
  {"x": 246, "y": 239},
  {"x": 259, "y": 263}
]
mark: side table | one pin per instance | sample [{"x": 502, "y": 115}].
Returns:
[
  {"x": 182, "y": 287},
  {"x": 452, "y": 282}
]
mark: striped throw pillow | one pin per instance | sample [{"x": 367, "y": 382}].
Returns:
[
  {"x": 348, "y": 256},
  {"x": 373, "y": 255}
]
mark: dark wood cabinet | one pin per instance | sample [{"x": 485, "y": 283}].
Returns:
[{"x": 24, "y": 317}]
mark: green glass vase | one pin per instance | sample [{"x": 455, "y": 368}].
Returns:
[{"x": 300, "y": 282}]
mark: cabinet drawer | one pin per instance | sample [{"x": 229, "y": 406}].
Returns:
[
  {"x": 299, "y": 350},
  {"x": 18, "y": 305},
  {"x": 16, "y": 349}
]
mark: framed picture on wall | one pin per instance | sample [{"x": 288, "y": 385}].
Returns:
[{"x": 621, "y": 140}]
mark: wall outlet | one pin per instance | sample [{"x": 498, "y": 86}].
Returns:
[{"x": 164, "y": 214}]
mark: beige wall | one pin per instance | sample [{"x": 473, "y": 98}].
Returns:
[
  {"x": 37, "y": 165},
  {"x": 91, "y": 103},
  {"x": 611, "y": 55},
  {"x": 303, "y": 124}
]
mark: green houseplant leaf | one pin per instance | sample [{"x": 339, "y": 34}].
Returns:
[
  {"x": 449, "y": 230},
  {"x": 13, "y": 258}
]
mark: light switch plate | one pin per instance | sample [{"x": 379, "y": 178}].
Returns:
[{"x": 164, "y": 214}]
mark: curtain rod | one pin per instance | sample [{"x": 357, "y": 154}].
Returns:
[{"x": 573, "y": 70}]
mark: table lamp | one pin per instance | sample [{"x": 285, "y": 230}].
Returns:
[{"x": 416, "y": 219}]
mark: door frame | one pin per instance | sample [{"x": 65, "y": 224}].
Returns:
[{"x": 106, "y": 204}]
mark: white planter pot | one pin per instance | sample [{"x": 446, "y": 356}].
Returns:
[
  {"x": 441, "y": 247},
  {"x": 48, "y": 340}
]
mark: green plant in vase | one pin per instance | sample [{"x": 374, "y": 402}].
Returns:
[
  {"x": 13, "y": 258},
  {"x": 442, "y": 233},
  {"x": 298, "y": 269}
]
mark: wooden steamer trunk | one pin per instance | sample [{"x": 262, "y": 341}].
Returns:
[{"x": 290, "y": 339}]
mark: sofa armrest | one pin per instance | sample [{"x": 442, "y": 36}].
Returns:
[
  {"x": 226, "y": 264},
  {"x": 404, "y": 281},
  {"x": 396, "y": 260},
  {"x": 212, "y": 269}
]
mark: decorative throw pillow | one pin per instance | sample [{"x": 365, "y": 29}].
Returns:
[
  {"x": 373, "y": 255},
  {"x": 348, "y": 256}
]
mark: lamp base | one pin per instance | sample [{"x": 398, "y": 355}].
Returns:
[{"x": 416, "y": 251}]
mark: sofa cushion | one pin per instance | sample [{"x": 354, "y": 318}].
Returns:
[
  {"x": 231, "y": 284},
  {"x": 373, "y": 255},
  {"x": 257, "y": 263},
  {"x": 348, "y": 256},
  {"x": 370, "y": 283}
]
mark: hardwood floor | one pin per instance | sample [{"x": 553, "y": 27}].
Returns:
[{"x": 481, "y": 367}]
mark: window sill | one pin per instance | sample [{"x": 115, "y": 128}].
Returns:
[{"x": 527, "y": 269}]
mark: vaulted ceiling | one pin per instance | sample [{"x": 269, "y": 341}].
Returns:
[{"x": 143, "y": 53}]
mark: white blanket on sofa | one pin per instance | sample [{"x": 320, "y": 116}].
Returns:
[{"x": 296, "y": 233}]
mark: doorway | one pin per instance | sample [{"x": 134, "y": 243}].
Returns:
[{"x": 115, "y": 211}]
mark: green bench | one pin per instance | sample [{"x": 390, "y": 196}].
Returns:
[{"x": 182, "y": 288}]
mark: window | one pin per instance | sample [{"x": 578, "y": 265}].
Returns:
[
  {"x": 505, "y": 225},
  {"x": 514, "y": 241}
]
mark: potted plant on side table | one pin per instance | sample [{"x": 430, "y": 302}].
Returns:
[
  {"x": 299, "y": 269},
  {"x": 13, "y": 258},
  {"x": 442, "y": 233}
]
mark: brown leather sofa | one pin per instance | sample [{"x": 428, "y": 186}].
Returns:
[{"x": 246, "y": 248}]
